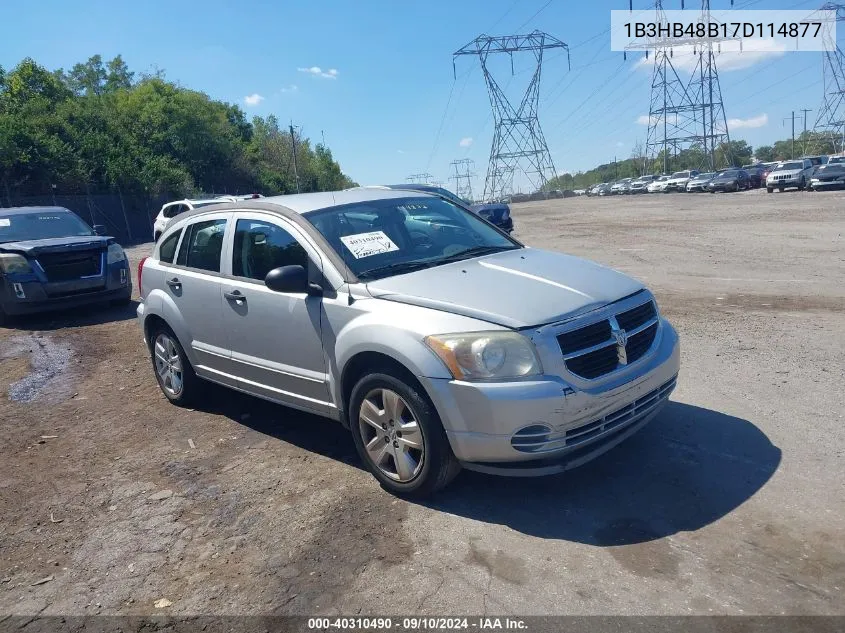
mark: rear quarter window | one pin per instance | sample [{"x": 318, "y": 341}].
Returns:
[{"x": 167, "y": 249}]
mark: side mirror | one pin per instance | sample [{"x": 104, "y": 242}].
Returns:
[
  {"x": 291, "y": 279},
  {"x": 101, "y": 229}
]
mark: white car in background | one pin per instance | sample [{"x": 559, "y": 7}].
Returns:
[
  {"x": 659, "y": 185},
  {"x": 678, "y": 181},
  {"x": 172, "y": 209}
]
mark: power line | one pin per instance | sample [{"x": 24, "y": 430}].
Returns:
[
  {"x": 518, "y": 141},
  {"x": 531, "y": 19}
]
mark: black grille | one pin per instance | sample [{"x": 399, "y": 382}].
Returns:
[
  {"x": 634, "y": 318},
  {"x": 639, "y": 343},
  {"x": 71, "y": 265},
  {"x": 585, "y": 337},
  {"x": 594, "y": 364}
]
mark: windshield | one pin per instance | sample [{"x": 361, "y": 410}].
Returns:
[
  {"x": 732, "y": 173},
  {"x": 40, "y": 225},
  {"x": 381, "y": 238},
  {"x": 785, "y": 166},
  {"x": 680, "y": 174},
  {"x": 705, "y": 176},
  {"x": 831, "y": 168}
]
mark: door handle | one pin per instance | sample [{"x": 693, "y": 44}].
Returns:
[
  {"x": 174, "y": 282},
  {"x": 235, "y": 295}
]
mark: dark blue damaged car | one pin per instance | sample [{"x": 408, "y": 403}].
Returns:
[
  {"x": 50, "y": 259},
  {"x": 497, "y": 213}
]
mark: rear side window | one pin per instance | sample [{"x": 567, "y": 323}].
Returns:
[
  {"x": 260, "y": 247},
  {"x": 202, "y": 246},
  {"x": 172, "y": 210},
  {"x": 168, "y": 248}
]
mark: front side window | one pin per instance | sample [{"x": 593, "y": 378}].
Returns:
[
  {"x": 202, "y": 245},
  {"x": 381, "y": 238},
  {"x": 168, "y": 248},
  {"x": 260, "y": 247}
]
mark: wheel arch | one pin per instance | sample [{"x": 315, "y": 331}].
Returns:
[{"x": 370, "y": 362}]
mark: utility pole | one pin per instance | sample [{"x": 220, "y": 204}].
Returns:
[
  {"x": 518, "y": 141},
  {"x": 463, "y": 177},
  {"x": 830, "y": 121},
  {"x": 685, "y": 113},
  {"x": 423, "y": 178},
  {"x": 785, "y": 119},
  {"x": 293, "y": 144},
  {"x": 804, "y": 133}
]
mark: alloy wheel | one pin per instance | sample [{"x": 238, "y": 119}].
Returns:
[
  {"x": 168, "y": 364},
  {"x": 392, "y": 437}
]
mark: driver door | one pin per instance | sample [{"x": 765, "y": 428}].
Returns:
[{"x": 275, "y": 337}]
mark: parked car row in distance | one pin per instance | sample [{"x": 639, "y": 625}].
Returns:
[{"x": 810, "y": 173}]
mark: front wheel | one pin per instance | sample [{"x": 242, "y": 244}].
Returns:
[
  {"x": 398, "y": 434},
  {"x": 770, "y": 189}
]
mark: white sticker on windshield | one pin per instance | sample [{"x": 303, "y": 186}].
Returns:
[
  {"x": 367, "y": 244},
  {"x": 5, "y": 222}
]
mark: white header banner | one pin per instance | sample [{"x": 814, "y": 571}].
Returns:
[{"x": 725, "y": 30}]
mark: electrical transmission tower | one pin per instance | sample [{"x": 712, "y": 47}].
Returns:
[
  {"x": 463, "y": 177},
  {"x": 518, "y": 141},
  {"x": 830, "y": 121},
  {"x": 420, "y": 178},
  {"x": 686, "y": 114}
]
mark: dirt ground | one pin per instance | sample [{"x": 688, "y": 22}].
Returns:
[{"x": 732, "y": 501}]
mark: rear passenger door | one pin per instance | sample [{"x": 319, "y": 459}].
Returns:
[
  {"x": 193, "y": 284},
  {"x": 275, "y": 337}
]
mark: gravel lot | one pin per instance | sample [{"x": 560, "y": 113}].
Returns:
[{"x": 732, "y": 501}]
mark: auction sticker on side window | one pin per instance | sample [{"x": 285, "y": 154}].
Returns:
[
  {"x": 368, "y": 244},
  {"x": 5, "y": 222}
]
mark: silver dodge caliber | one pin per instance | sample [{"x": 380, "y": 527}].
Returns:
[{"x": 436, "y": 339}]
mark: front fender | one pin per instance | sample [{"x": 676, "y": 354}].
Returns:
[{"x": 397, "y": 330}]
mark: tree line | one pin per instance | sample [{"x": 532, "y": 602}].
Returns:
[
  {"x": 741, "y": 153},
  {"x": 99, "y": 128}
]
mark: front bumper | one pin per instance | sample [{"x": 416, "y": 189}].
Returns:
[
  {"x": 723, "y": 186},
  {"x": 482, "y": 419},
  {"x": 22, "y": 294},
  {"x": 827, "y": 184},
  {"x": 786, "y": 182}
]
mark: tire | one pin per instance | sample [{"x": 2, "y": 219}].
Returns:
[
  {"x": 190, "y": 382},
  {"x": 802, "y": 185},
  {"x": 770, "y": 189},
  {"x": 4, "y": 319},
  {"x": 393, "y": 405},
  {"x": 780, "y": 189}
]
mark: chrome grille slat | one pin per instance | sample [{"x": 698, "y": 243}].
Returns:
[{"x": 591, "y": 351}]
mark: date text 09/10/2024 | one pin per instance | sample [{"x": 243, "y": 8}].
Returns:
[{"x": 416, "y": 624}]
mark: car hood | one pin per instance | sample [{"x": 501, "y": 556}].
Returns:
[
  {"x": 786, "y": 172},
  {"x": 55, "y": 244},
  {"x": 824, "y": 176},
  {"x": 518, "y": 289}
]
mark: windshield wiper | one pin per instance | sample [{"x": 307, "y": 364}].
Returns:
[
  {"x": 475, "y": 251},
  {"x": 394, "y": 269}
]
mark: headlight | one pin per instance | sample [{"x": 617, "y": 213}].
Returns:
[
  {"x": 115, "y": 254},
  {"x": 11, "y": 263},
  {"x": 486, "y": 355}
]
